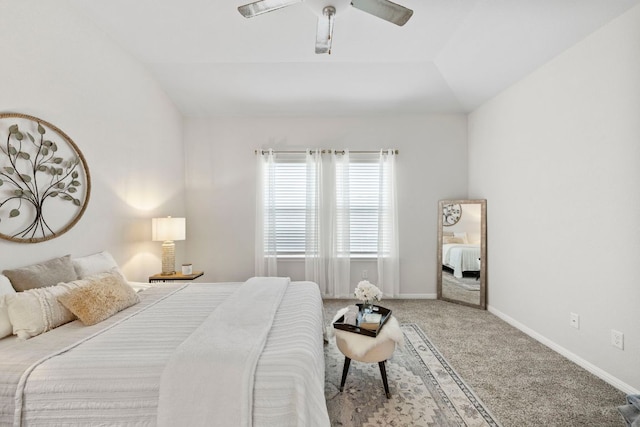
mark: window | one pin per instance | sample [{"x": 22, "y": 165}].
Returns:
[
  {"x": 327, "y": 208},
  {"x": 294, "y": 205},
  {"x": 289, "y": 181},
  {"x": 363, "y": 186}
]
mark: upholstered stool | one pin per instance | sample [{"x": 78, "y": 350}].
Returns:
[
  {"x": 367, "y": 349},
  {"x": 377, "y": 354}
]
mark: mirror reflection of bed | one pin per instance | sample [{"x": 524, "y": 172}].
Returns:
[
  {"x": 461, "y": 266},
  {"x": 462, "y": 243}
]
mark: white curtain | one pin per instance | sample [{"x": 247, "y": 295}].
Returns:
[
  {"x": 388, "y": 252},
  {"x": 340, "y": 260},
  {"x": 316, "y": 230},
  {"x": 266, "y": 262},
  {"x": 327, "y": 231}
]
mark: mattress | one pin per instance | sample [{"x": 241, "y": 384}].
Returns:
[
  {"x": 461, "y": 257},
  {"x": 110, "y": 373}
]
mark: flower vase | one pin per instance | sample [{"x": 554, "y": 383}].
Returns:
[{"x": 367, "y": 307}]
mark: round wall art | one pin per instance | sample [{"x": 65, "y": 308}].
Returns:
[
  {"x": 451, "y": 214},
  {"x": 44, "y": 180}
]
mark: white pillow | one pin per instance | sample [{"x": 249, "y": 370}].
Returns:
[
  {"x": 94, "y": 264},
  {"x": 463, "y": 236},
  {"x": 37, "y": 310},
  {"x": 140, "y": 286},
  {"x": 5, "y": 323}
]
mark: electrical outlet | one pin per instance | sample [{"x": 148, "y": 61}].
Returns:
[
  {"x": 617, "y": 339},
  {"x": 574, "y": 320},
  {"x": 365, "y": 274}
]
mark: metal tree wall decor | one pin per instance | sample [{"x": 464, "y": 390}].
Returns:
[{"x": 44, "y": 180}]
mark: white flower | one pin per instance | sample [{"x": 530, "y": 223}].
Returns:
[{"x": 365, "y": 291}]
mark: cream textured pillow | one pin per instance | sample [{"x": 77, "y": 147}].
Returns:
[
  {"x": 94, "y": 264},
  {"x": 37, "y": 310},
  {"x": 452, "y": 240},
  {"x": 5, "y": 323},
  {"x": 101, "y": 299},
  {"x": 48, "y": 273}
]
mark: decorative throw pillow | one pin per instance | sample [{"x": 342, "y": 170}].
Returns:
[
  {"x": 5, "y": 323},
  {"x": 48, "y": 273},
  {"x": 101, "y": 299},
  {"x": 452, "y": 240},
  {"x": 94, "y": 264},
  {"x": 37, "y": 310}
]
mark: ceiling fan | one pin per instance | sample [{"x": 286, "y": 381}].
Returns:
[{"x": 384, "y": 9}]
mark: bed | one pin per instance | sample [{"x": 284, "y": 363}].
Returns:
[
  {"x": 114, "y": 372},
  {"x": 461, "y": 257}
]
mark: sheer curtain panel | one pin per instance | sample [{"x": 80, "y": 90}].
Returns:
[
  {"x": 340, "y": 260},
  {"x": 388, "y": 256},
  {"x": 316, "y": 232},
  {"x": 266, "y": 262}
]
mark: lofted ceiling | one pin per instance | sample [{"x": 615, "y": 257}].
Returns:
[{"x": 450, "y": 57}]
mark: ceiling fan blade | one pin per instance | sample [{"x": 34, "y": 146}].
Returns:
[
  {"x": 263, "y": 6},
  {"x": 384, "y": 9},
  {"x": 324, "y": 35}
]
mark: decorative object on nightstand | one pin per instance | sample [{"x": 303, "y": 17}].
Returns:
[
  {"x": 175, "y": 277},
  {"x": 187, "y": 268},
  {"x": 168, "y": 230}
]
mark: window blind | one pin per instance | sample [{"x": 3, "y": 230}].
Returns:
[
  {"x": 292, "y": 186},
  {"x": 290, "y": 192},
  {"x": 364, "y": 188}
]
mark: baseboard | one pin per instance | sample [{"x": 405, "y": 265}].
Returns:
[
  {"x": 401, "y": 296},
  {"x": 603, "y": 375},
  {"x": 416, "y": 296}
]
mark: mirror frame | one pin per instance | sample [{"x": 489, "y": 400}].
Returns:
[{"x": 483, "y": 250}]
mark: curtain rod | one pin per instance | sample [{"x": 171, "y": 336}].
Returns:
[{"x": 323, "y": 151}]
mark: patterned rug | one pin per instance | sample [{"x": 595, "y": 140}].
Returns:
[{"x": 425, "y": 390}]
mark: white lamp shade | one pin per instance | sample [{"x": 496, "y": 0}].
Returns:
[{"x": 163, "y": 229}]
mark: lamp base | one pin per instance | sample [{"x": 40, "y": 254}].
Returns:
[{"x": 168, "y": 257}]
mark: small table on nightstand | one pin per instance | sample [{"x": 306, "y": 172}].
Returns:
[{"x": 175, "y": 277}]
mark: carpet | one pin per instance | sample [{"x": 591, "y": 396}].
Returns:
[
  {"x": 425, "y": 389},
  {"x": 469, "y": 283},
  {"x": 464, "y": 289}
]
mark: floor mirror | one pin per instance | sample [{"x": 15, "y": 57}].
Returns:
[{"x": 462, "y": 252}]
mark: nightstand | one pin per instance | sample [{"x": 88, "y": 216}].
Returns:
[{"x": 176, "y": 277}]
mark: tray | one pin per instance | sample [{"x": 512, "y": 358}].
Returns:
[{"x": 386, "y": 313}]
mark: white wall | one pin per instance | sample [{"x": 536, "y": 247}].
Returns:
[
  {"x": 58, "y": 67},
  {"x": 469, "y": 223},
  {"x": 556, "y": 155},
  {"x": 221, "y": 185}
]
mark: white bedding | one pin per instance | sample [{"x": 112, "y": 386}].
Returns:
[
  {"x": 461, "y": 257},
  {"x": 225, "y": 339},
  {"x": 110, "y": 373}
]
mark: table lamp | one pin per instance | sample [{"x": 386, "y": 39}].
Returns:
[{"x": 167, "y": 230}]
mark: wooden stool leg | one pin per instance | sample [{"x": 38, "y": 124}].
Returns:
[
  {"x": 383, "y": 371},
  {"x": 345, "y": 371}
]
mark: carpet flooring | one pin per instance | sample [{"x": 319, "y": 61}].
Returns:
[{"x": 522, "y": 382}]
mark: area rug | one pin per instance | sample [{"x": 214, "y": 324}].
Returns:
[{"x": 425, "y": 389}]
